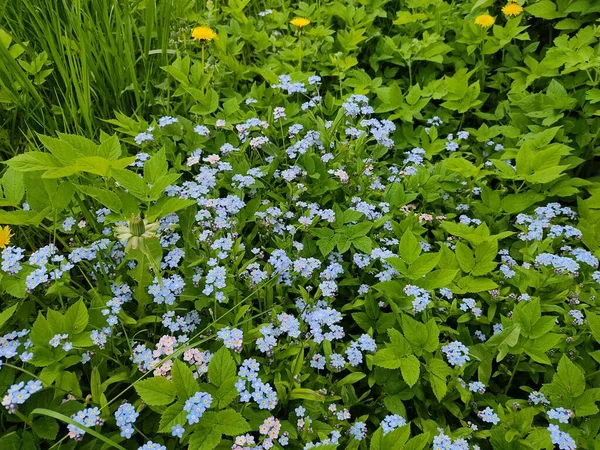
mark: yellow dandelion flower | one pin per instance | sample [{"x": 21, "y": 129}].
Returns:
[
  {"x": 300, "y": 22},
  {"x": 484, "y": 21},
  {"x": 204, "y": 34},
  {"x": 5, "y": 235},
  {"x": 512, "y": 9}
]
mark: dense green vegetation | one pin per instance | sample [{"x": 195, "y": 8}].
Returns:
[{"x": 341, "y": 225}]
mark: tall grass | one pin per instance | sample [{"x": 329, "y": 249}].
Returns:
[{"x": 105, "y": 55}]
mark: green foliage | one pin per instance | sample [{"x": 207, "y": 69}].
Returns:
[{"x": 471, "y": 223}]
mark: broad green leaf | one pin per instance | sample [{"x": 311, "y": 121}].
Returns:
[
  {"x": 423, "y": 265},
  {"x": 13, "y": 185},
  {"x": 76, "y": 318},
  {"x": 230, "y": 423},
  {"x": 409, "y": 247},
  {"x": 592, "y": 319},
  {"x": 173, "y": 415},
  {"x": 184, "y": 380},
  {"x": 33, "y": 162},
  {"x": 221, "y": 367},
  {"x": 203, "y": 440},
  {"x": 156, "y": 391},
  {"x": 7, "y": 314},
  {"x": 156, "y": 167},
  {"x": 465, "y": 257},
  {"x": 410, "y": 368},
  {"x": 131, "y": 181}
]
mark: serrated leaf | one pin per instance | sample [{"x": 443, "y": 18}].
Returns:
[
  {"x": 76, "y": 318},
  {"x": 231, "y": 423},
  {"x": 221, "y": 367},
  {"x": 184, "y": 380},
  {"x": 409, "y": 247},
  {"x": 156, "y": 391},
  {"x": 7, "y": 314},
  {"x": 173, "y": 415},
  {"x": 410, "y": 368}
]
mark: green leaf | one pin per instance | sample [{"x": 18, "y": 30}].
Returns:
[
  {"x": 410, "y": 368},
  {"x": 45, "y": 427},
  {"x": 395, "y": 439},
  {"x": 387, "y": 358},
  {"x": 132, "y": 182},
  {"x": 203, "y": 440},
  {"x": 109, "y": 149},
  {"x": 409, "y": 247},
  {"x": 465, "y": 257},
  {"x": 418, "y": 334},
  {"x": 418, "y": 442},
  {"x": 76, "y": 318},
  {"x": 7, "y": 314},
  {"x": 156, "y": 167},
  {"x": 156, "y": 391},
  {"x": 166, "y": 206},
  {"x": 516, "y": 203},
  {"x": 476, "y": 284},
  {"x": 438, "y": 278},
  {"x": 544, "y": 9},
  {"x": 306, "y": 394},
  {"x": 32, "y": 162},
  {"x": 221, "y": 367},
  {"x": 357, "y": 231},
  {"x": 569, "y": 380},
  {"x": 103, "y": 196},
  {"x": 230, "y": 423},
  {"x": 438, "y": 372},
  {"x": 423, "y": 265},
  {"x": 173, "y": 415},
  {"x": 433, "y": 342},
  {"x": 65, "y": 419},
  {"x": 184, "y": 380},
  {"x": 13, "y": 185},
  {"x": 592, "y": 319},
  {"x": 96, "y": 385},
  {"x": 351, "y": 378}
]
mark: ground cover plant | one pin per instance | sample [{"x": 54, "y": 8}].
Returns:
[{"x": 339, "y": 225}]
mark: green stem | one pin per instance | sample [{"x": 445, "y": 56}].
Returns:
[{"x": 512, "y": 375}]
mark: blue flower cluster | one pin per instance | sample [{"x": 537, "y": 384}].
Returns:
[
  {"x": 391, "y": 422},
  {"x": 422, "y": 297},
  {"x": 262, "y": 393},
  {"x": 215, "y": 280},
  {"x": 18, "y": 393},
  {"x": 562, "y": 439},
  {"x": 166, "y": 290},
  {"x": 354, "y": 351},
  {"x": 88, "y": 417},
  {"x": 10, "y": 260},
  {"x": 288, "y": 325},
  {"x": 232, "y": 338},
  {"x": 561, "y": 414},
  {"x": 125, "y": 416},
  {"x": 358, "y": 431},
  {"x": 488, "y": 415},
  {"x": 196, "y": 406},
  {"x": 122, "y": 295},
  {"x": 457, "y": 353}
]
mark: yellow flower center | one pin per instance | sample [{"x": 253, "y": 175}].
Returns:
[
  {"x": 485, "y": 21},
  {"x": 512, "y": 9},
  {"x": 300, "y": 22},
  {"x": 204, "y": 34}
]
